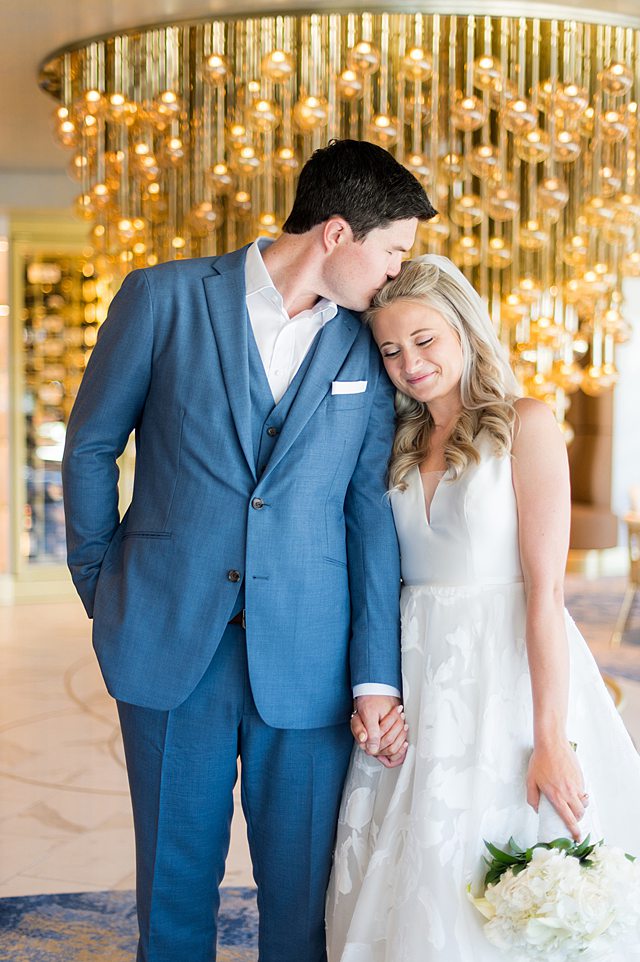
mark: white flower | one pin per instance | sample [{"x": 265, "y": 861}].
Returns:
[
  {"x": 544, "y": 932},
  {"x": 558, "y": 908},
  {"x": 594, "y": 906},
  {"x": 522, "y": 898}
]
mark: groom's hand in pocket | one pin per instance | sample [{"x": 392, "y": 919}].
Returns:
[{"x": 378, "y": 725}]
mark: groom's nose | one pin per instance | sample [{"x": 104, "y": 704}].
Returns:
[{"x": 394, "y": 267}]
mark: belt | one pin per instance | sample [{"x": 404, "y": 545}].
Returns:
[{"x": 239, "y": 619}]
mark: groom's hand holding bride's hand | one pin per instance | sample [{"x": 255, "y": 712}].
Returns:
[{"x": 378, "y": 725}]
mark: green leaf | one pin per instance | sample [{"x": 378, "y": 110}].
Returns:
[
  {"x": 581, "y": 849},
  {"x": 517, "y": 859},
  {"x": 514, "y": 848},
  {"x": 493, "y": 875},
  {"x": 499, "y": 855},
  {"x": 565, "y": 844}
]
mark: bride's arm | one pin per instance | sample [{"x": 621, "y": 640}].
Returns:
[{"x": 541, "y": 484}]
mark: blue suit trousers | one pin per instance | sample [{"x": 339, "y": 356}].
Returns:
[{"x": 182, "y": 767}]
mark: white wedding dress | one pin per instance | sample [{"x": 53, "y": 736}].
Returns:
[{"x": 410, "y": 839}]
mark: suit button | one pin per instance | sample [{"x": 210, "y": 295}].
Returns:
[
  {"x": 257, "y": 503},
  {"x": 233, "y": 575},
  {"x": 272, "y": 432}
]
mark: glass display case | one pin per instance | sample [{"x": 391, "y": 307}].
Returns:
[
  {"x": 64, "y": 302},
  {"x": 59, "y": 298}
]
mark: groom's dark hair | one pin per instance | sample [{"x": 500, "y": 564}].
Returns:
[{"x": 360, "y": 182}]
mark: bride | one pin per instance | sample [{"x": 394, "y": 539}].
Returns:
[{"x": 497, "y": 679}]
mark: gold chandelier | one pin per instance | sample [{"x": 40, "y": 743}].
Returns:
[{"x": 187, "y": 139}]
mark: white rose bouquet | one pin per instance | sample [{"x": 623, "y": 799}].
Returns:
[{"x": 560, "y": 900}]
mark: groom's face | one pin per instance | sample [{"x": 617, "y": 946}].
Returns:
[{"x": 356, "y": 270}]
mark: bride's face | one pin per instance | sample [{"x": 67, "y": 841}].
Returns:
[{"x": 421, "y": 351}]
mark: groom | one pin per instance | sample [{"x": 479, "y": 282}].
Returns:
[{"x": 252, "y": 586}]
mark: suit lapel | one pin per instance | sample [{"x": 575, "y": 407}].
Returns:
[
  {"x": 336, "y": 339},
  {"x": 226, "y": 300}
]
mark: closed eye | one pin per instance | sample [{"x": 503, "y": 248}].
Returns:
[{"x": 424, "y": 343}]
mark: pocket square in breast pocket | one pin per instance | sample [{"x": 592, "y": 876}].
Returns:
[{"x": 348, "y": 387}]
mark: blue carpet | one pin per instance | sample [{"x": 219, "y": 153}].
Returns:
[
  {"x": 101, "y": 927},
  {"x": 600, "y": 610}
]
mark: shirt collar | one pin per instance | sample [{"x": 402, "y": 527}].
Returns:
[{"x": 258, "y": 280}]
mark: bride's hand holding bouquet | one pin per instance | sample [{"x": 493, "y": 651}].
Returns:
[
  {"x": 563, "y": 898},
  {"x": 554, "y": 772}
]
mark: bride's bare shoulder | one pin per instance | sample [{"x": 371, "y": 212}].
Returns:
[
  {"x": 538, "y": 450},
  {"x": 534, "y": 420}
]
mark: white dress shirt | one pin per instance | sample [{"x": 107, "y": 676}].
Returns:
[{"x": 283, "y": 343}]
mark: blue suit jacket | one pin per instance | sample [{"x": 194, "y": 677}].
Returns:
[{"x": 319, "y": 561}]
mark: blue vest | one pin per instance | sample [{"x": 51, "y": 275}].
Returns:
[{"x": 267, "y": 417}]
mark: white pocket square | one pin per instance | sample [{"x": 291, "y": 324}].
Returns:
[{"x": 348, "y": 387}]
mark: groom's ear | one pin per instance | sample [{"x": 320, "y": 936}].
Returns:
[{"x": 336, "y": 231}]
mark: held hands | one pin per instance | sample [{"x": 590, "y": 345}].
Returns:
[
  {"x": 378, "y": 726},
  {"x": 554, "y": 771}
]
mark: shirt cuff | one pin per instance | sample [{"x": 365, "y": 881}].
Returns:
[{"x": 375, "y": 689}]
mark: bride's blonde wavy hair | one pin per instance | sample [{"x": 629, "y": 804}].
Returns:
[{"x": 487, "y": 386}]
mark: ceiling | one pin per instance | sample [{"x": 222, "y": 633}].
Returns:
[{"x": 31, "y": 29}]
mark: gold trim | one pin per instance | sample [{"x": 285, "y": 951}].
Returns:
[{"x": 49, "y": 82}]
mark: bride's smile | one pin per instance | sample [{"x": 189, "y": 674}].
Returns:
[{"x": 421, "y": 351}]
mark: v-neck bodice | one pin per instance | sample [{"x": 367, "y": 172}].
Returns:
[
  {"x": 466, "y": 533},
  {"x": 430, "y": 484}
]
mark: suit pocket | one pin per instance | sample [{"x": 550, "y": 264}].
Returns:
[
  {"x": 122, "y": 535},
  {"x": 347, "y": 402},
  {"x": 140, "y": 578},
  {"x": 147, "y": 534}
]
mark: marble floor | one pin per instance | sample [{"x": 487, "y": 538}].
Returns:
[
  {"x": 65, "y": 816},
  {"x": 65, "y": 819}
]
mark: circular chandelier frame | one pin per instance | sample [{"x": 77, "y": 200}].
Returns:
[{"x": 187, "y": 138}]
